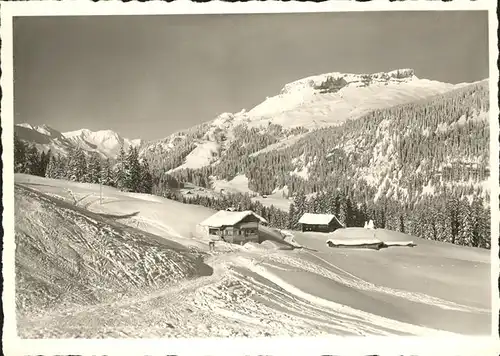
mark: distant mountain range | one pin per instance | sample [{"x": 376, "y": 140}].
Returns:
[
  {"x": 106, "y": 142},
  {"x": 302, "y": 103}
]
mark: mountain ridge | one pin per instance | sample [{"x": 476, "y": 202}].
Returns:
[
  {"x": 308, "y": 109},
  {"x": 104, "y": 142},
  {"x": 293, "y": 96}
]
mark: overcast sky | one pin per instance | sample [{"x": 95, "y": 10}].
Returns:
[{"x": 148, "y": 76}]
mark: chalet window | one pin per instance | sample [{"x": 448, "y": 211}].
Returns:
[{"x": 213, "y": 231}]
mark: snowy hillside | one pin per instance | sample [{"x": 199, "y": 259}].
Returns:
[
  {"x": 94, "y": 259},
  {"x": 128, "y": 268},
  {"x": 105, "y": 142},
  {"x": 301, "y": 106},
  {"x": 300, "y": 103},
  {"x": 44, "y": 138}
]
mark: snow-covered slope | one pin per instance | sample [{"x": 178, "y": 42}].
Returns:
[
  {"x": 67, "y": 257},
  {"x": 105, "y": 142},
  {"x": 117, "y": 281},
  {"x": 305, "y": 104}
]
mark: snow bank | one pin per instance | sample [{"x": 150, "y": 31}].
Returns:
[
  {"x": 373, "y": 243},
  {"x": 379, "y": 238},
  {"x": 255, "y": 247},
  {"x": 399, "y": 243}
]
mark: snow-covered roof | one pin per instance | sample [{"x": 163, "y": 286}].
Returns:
[
  {"x": 229, "y": 218},
  {"x": 318, "y": 219}
]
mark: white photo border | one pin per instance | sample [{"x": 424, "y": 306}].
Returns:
[{"x": 460, "y": 345}]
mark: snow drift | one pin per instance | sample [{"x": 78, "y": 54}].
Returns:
[
  {"x": 367, "y": 237},
  {"x": 360, "y": 243}
]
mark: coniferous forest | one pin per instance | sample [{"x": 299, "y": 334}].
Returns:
[
  {"x": 128, "y": 172},
  {"x": 417, "y": 168}
]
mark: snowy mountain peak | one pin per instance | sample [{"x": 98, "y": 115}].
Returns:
[
  {"x": 331, "y": 98},
  {"x": 80, "y": 132},
  {"x": 100, "y": 136},
  {"x": 105, "y": 142},
  {"x": 25, "y": 125},
  {"x": 313, "y": 82}
]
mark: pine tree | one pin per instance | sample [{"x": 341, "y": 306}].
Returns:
[
  {"x": 481, "y": 232},
  {"x": 145, "y": 179},
  {"x": 32, "y": 161},
  {"x": 107, "y": 173},
  {"x": 293, "y": 217},
  {"x": 19, "y": 155},
  {"x": 61, "y": 167},
  {"x": 121, "y": 169},
  {"x": 77, "y": 165},
  {"x": 133, "y": 172},
  {"x": 300, "y": 203},
  {"x": 466, "y": 229},
  {"x": 342, "y": 212},
  {"x": 453, "y": 212},
  {"x": 44, "y": 162},
  {"x": 51, "y": 171},
  {"x": 93, "y": 174}
]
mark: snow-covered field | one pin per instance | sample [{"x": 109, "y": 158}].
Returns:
[
  {"x": 86, "y": 269},
  {"x": 239, "y": 184}
]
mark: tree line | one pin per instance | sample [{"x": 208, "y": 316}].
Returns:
[{"x": 127, "y": 172}]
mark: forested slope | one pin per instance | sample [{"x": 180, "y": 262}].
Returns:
[{"x": 420, "y": 167}]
